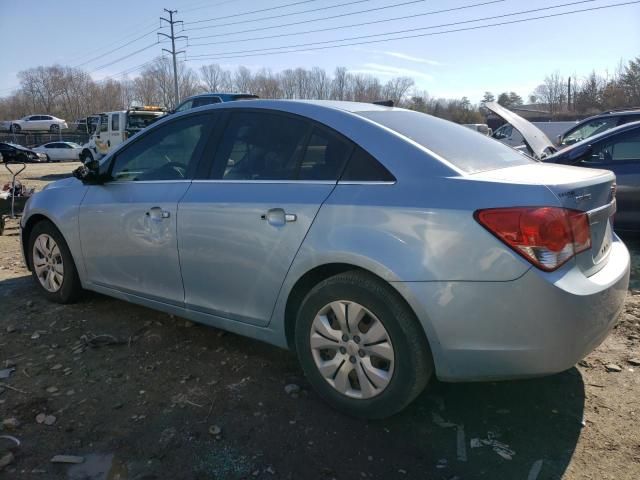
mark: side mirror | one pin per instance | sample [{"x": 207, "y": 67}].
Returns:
[{"x": 89, "y": 173}]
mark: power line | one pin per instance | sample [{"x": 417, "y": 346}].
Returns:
[
  {"x": 478, "y": 27},
  {"x": 109, "y": 45},
  {"x": 125, "y": 57},
  {"x": 311, "y": 20},
  {"x": 414, "y": 15},
  {"x": 252, "y": 12},
  {"x": 492, "y": 17},
  {"x": 202, "y": 5},
  {"x": 118, "y": 48},
  {"x": 286, "y": 15}
]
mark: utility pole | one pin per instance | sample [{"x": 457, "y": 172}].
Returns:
[{"x": 173, "y": 52}]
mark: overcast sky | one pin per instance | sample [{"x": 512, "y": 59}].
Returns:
[{"x": 509, "y": 57}]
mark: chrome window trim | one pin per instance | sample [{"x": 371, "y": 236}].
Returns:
[
  {"x": 367, "y": 182},
  {"x": 129, "y": 182},
  {"x": 307, "y": 182}
]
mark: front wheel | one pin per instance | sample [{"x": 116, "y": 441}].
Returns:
[
  {"x": 361, "y": 346},
  {"x": 52, "y": 265},
  {"x": 14, "y": 128},
  {"x": 54, "y": 128}
]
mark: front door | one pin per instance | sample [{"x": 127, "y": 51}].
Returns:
[
  {"x": 128, "y": 224},
  {"x": 621, "y": 155},
  {"x": 239, "y": 231}
]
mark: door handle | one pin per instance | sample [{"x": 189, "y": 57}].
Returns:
[
  {"x": 277, "y": 217},
  {"x": 157, "y": 214}
]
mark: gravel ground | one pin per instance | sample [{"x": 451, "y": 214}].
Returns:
[{"x": 142, "y": 395}]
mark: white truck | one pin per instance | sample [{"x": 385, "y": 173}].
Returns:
[{"x": 116, "y": 127}]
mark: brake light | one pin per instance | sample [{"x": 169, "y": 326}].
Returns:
[{"x": 546, "y": 236}]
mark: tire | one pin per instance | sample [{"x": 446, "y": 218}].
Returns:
[
  {"x": 54, "y": 128},
  {"x": 48, "y": 159},
  {"x": 395, "y": 382},
  {"x": 65, "y": 287},
  {"x": 15, "y": 128},
  {"x": 22, "y": 158}
]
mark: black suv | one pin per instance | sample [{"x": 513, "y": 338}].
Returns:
[{"x": 597, "y": 124}]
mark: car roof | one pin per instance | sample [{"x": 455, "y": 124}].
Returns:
[
  {"x": 607, "y": 133},
  {"x": 287, "y": 105},
  {"x": 612, "y": 113}
]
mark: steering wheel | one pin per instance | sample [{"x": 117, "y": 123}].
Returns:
[{"x": 179, "y": 168}]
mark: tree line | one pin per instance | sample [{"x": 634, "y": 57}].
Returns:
[{"x": 71, "y": 93}]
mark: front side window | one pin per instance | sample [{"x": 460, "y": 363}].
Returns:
[
  {"x": 185, "y": 106},
  {"x": 623, "y": 148},
  {"x": 166, "y": 153},
  {"x": 589, "y": 129},
  {"x": 261, "y": 146}
]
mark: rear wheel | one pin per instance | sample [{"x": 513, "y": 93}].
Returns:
[
  {"x": 52, "y": 265},
  {"x": 54, "y": 128},
  {"x": 15, "y": 128},
  {"x": 361, "y": 346}
]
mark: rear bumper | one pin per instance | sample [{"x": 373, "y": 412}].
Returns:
[{"x": 539, "y": 324}]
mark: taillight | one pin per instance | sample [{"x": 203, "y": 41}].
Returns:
[{"x": 546, "y": 236}]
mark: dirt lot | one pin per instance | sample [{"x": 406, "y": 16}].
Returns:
[{"x": 161, "y": 398}]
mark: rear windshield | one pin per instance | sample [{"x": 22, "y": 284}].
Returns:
[{"x": 468, "y": 150}]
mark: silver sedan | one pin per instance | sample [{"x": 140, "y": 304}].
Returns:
[{"x": 383, "y": 245}]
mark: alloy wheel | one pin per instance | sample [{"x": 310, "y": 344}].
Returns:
[
  {"x": 352, "y": 349},
  {"x": 47, "y": 263}
]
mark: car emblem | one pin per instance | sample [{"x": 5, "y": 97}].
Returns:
[{"x": 584, "y": 196}]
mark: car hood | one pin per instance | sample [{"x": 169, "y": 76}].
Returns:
[
  {"x": 536, "y": 140},
  {"x": 64, "y": 183}
]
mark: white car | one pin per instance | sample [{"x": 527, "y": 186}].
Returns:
[
  {"x": 32, "y": 123},
  {"x": 60, "y": 151}
]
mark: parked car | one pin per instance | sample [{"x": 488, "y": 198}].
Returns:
[
  {"x": 12, "y": 152},
  {"x": 482, "y": 128},
  {"x": 60, "y": 151},
  {"x": 32, "y": 123},
  {"x": 509, "y": 135},
  {"x": 597, "y": 124},
  {"x": 382, "y": 245},
  {"x": 616, "y": 149},
  {"x": 210, "y": 98}
]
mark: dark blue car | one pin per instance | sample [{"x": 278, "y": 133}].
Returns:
[
  {"x": 618, "y": 150},
  {"x": 209, "y": 98}
]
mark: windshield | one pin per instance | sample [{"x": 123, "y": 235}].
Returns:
[
  {"x": 589, "y": 129},
  {"x": 138, "y": 121},
  {"x": 462, "y": 147}
]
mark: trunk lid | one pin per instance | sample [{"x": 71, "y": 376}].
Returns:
[
  {"x": 584, "y": 189},
  {"x": 538, "y": 143}
]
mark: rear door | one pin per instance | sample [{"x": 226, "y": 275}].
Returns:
[
  {"x": 128, "y": 224},
  {"x": 115, "y": 129},
  {"x": 621, "y": 154},
  {"x": 240, "y": 228}
]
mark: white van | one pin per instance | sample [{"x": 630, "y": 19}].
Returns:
[{"x": 116, "y": 127}]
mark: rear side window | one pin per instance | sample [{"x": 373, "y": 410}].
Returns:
[
  {"x": 199, "y": 102},
  {"x": 325, "y": 156},
  {"x": 459, "y": 145},
  {"x": 115, "y": 122},
  {"x": 363, "y": 167}
]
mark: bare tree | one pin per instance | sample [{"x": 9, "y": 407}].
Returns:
[
  {"x": 242, "y": 79},
  {"x": 396, "y": 88},
  {"x": 215, "y": 78},
  {"x": 339, "y": 84},
  {"x": 552, "y": 92}
]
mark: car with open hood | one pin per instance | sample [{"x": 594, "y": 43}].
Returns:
[{"x": 616, "y": 149}]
